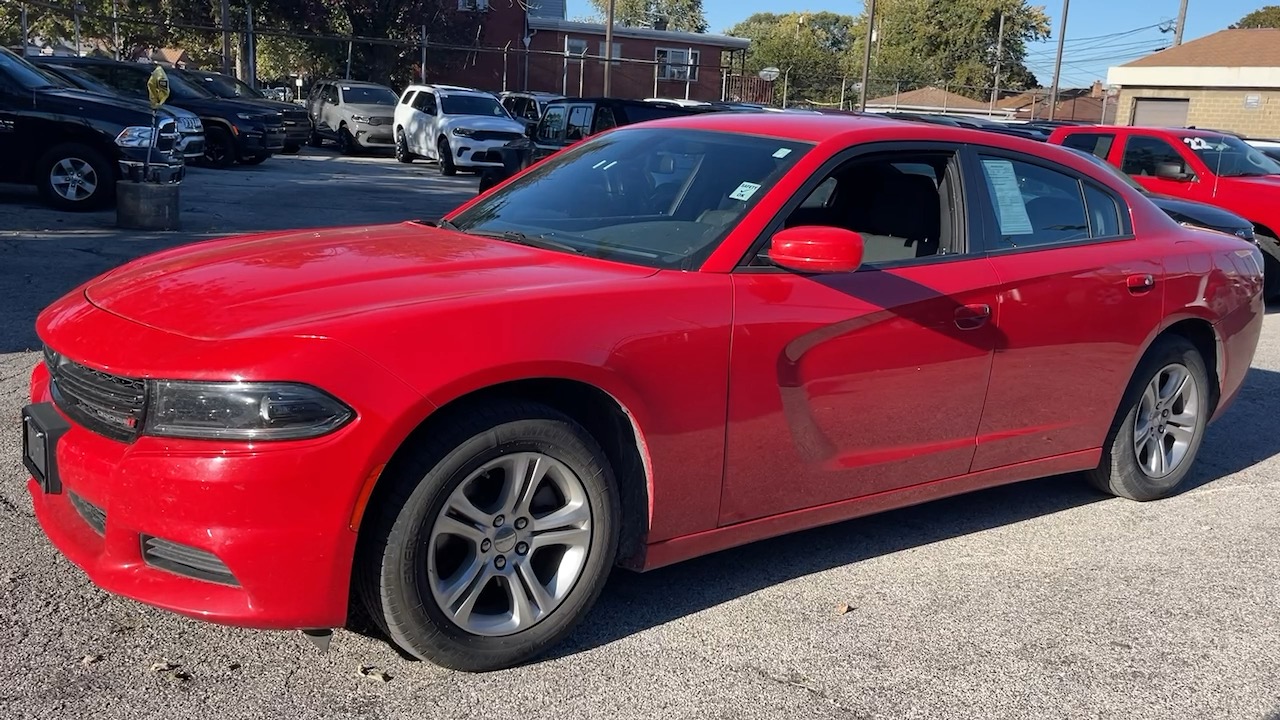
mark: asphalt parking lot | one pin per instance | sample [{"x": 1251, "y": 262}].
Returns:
[{"x": 1037, "y": 600}]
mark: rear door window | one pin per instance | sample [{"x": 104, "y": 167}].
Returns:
[
  {"x": 579, "y": 125},
  {"x": 551, "y": 129},
  {"x": 1143, "y": 154},
  {"x": 1097, "y": 144}
]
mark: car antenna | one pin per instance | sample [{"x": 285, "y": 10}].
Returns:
[{"x": 1217, "y": 174}]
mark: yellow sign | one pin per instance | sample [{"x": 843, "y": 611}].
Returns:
[{"x": 158, "y": 87}]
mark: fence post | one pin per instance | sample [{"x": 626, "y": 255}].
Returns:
[
  {"x": 688, "y": 70},
  {"x": 349, "y": 43},
  {"x": 505, "y": 48},
  {"x": 424, "y": 60},
  {"x": 251, "y": 66},
  {"x": 897, "y": 90},
  {"x": 226, "y": 37},
  {"x": 786, "y": 87},
  {"x": 582, "y": 72},
  {"x": 115, "y": 29},
  {"x": 25, "y": 35},
  {"x": 564, "y": 68},
  {"x": 945, "y": 94},
  {"x": 724, "y": 84},
  {"x": 655, "y": 78},
  {"x": 76, "y": 10},
  {"x": 843, "y": 81}
]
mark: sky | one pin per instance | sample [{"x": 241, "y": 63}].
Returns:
[{"x": 1100, "y": 33}]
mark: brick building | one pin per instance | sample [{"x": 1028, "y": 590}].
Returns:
[
  {"x": 544, "y": 51},
  {"x": 1229, "y": 80}
]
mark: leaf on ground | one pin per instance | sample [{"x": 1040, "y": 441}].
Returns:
[
  {"x": 91, "y": 659},
  {"x": 843, "y": 608},
  {"x": 177, "y": 675},
  {"x": 373, "y": 671},
  {"x": 164, "y": 667}
]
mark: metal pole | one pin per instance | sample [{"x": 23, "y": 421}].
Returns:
[
  {"x": 995, "y": 92},
  {"x": 424, "y": 60},
  {"x": 251, "y": 66},
  {"x": 655, "y": 78},
  {"x": 76, "y": 10},
  {"x": 724, "y": 84},
  {"x": 1182, "y": 22},
  {"x": 505, "y": 49},
  {"x": 25, "y": 30},
  {"x": 564, "y": 68},
  {"x": 348, "y": 75},
  {"x": 786, "y": 87},
  {"x": 1057, "y": 64},
  {"x": 226, "y": 37},
  {"x": 866, "y": 55},
  {"x": 115, "y": 28},
  {"x": 608, "y": 49},
  {"x": 1102, "y": 120},
  {"x": 582, "y": 72},
  {"x": 843, "y": 81},
  {"x": 688, "y": 71}
]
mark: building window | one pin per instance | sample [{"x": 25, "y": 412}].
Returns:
[
  {"x": 617, "y": 52},
  {"x": 473, "y": 5},
  {"x": 677, "y": 64},
  {"x": 575, "y": 46}
]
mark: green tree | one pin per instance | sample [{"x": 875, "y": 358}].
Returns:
[
  {"x": 1264, "y": 17},
  {"x": 814, "y": 51},
  {"x": 683, "y": 15}
]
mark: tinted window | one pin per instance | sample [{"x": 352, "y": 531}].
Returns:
[
  {"x": 1231, "y": 157},
  {"x": 1033, "y": 205},
  {"x": 579, "y": 123},
  {"x": 661, "y": 198},
  {"x": 359, "y": 95},
  {"x": 471, "y": 105},
  {"x": 1093, "y": 143},
  {"x": 604, "y": 119},
  {"x": 552, "y": 124},
  {"x": 1104, "y": 214},
  {"x": 1143, "y": 154},
  {"x": 331, "y": 94},
  {"x": 641, "y": 112},
  {"x": 21, "y": 72},
  {"x": 425, "y": 102}
]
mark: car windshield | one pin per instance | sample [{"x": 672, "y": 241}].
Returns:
[
  {"x": 1231, "y": 157},
  {"x": 26, "y": 75},
  {"x": 472, "y": 105},
  {"x": 356, "y": 95},
  {"x": 659, "y": 197},
  {"x": 226, "y": 87},
  {"x": 84, "y": 80},
  {"x": 184, "y": 89}
]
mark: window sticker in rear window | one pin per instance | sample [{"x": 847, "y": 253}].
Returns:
[{"x": 1011, "y": 208}]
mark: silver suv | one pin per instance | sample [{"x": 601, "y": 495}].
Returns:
[{"x": 354, "y": 114}]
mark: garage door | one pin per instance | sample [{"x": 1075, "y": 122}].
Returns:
[{"x": 1152, "y": 112}]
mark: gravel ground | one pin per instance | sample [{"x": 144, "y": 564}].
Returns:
[{"x": 1042, "y": 599}]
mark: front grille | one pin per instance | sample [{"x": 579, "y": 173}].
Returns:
[
  {"x": 190, "y": 124},
  {"x": 94, "y": 516},
  {"x": 107, "y": 404},
  {"x": 485, "y": 135},
  {"x": 381, "y": 120},
  {"x": 185, "y": 560}
]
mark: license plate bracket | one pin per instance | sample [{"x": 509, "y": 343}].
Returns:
[{"x": 42, "y": 427}]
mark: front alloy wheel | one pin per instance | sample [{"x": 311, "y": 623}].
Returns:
[{"x": 490, "y": 537}]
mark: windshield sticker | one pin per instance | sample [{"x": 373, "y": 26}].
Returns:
[
  {"x": 1197, "y": 143},
  {"x": 782, "y": 152},
  {"x": 745, "y": 191},
  {"x": 1010, "y": 206}
]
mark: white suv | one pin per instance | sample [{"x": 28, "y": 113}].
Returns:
[{"x": 455, "y": 126}]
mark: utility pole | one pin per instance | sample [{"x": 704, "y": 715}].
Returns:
[
  {"x": 115, "y": 28},
  {"x": 77, "y": 10},
  {"x": 866, "y": 56},
  {"x": 251, "y": 67},
  {"x": 25, "y": 36},
  {"x": 608, "y": 50},
  {"x": 1182, "y": 22},
  {"x": 1057, "y": 64},
  {"x": 226, "y": 37},
  {"x": 995, "y": 91},
  {"x": 424, "y": 56}
]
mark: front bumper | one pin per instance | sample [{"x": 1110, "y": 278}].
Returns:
[
  {"x": 259, "y": 140},
  {"x": 468, "y": 152},
  {"x": 191, "y": 145},
  {"x": 297, "y": 130},
  {"x": 374, "y": 136}
]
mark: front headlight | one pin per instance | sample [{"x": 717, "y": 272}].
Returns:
[
  {"x": 242, "y": 411},
  {"x": 463, "y": 132},
  {"x": 359, "y": 118},
  {"x": 253, "y": 117},
  {"x": 135, "y": 137}
]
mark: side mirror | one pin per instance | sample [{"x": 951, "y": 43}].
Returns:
[
  {"x": 816, "y": 249},
  {"x": 1172, "y": 171}
]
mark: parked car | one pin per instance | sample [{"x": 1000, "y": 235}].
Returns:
[
  {"x": 234, "y": 131},
  {"x": 1198, "y": 165},
  {"x": 297, "y": 124},
  {"x": 527, "y": 107},
  {"x": 190, "y": 129},
  {"x": 356, "y": 115},
  {"x": 454, "y": 126},
  {"x": 1270, "y": 148},
  {"x": 671, "y": 339},
  {"x": 571, "y": 120},
  {"x": 72, "y": 145},
  {"x": 1186, "y": 212}
]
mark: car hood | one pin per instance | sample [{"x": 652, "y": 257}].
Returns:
[
  {"x": 309, "y": 282},
  {"x": 1200, "y": 213},
  {"x": 1265, "y": 181},
  {"x": 483, "y": 122},
  {"x": 218, "y": 107},
  {"x": 370, "y": 110},
  {"x": 84, "y": 98},
  {"x": 276, "y": 105}
]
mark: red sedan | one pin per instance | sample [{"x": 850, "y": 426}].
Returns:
[{"x": 674, "y": 338}]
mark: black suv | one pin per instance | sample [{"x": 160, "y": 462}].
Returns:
[
  {"x": 297, "y": 124},
  {"x": 233, "y": 130},
  {"x": 74, "y": 145}
]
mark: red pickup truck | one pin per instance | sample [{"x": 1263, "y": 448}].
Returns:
[{"x": 1200, "y": 165}]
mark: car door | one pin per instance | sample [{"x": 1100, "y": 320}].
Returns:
[
  {"x": 1077, "y": 300},
  {"x": 1143, "y": 155},
  {"x": 549, "y": 137},
  {"x": 16, "y": 142},
  {"x": 314, "y": 100},
  {"x": 846, "y": 385},
  {"x": 422, "y": 125}
]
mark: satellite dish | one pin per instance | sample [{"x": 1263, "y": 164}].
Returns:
[{"x": 770, "y": 74}]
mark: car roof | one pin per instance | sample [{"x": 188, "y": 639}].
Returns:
[
  {"x": 448, "y": 88},
  {"x": 352, "y": 83}
]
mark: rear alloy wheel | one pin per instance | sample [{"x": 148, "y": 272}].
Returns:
[
  {"x": 346, "y": 142},
  {"x": 447, "y": 168},
  {"x": 1154, "y": 440},
  {"x": 495, "y": 540},
  {"x": 402, "y": 148},
  {"x": 75, "y": 177}
]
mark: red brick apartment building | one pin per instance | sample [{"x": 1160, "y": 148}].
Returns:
[{"x": 566, "y": 57}]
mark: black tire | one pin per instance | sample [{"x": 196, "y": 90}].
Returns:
[
  {"x": 1120, "y": 471},
  {"x": 291, "y": 149},
  {"x": 219, "y": 148},
  {"x": 315, "y": 140},
  {"x": 346, "y": 141},
  {"x": 447, "y": 168},
  {"x": 1271, "y": 278},
  {"x": 99, "y": 171},
  {"x": 402, "y": 148},
  {"x": 255, "y": 159},
  {"x": 391, "y": 559}
]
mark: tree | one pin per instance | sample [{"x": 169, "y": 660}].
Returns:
[
  {"x": 1264, "y": 17},
  {"x": 683, "y": 15},
  {"x": 814, "y": 50}
]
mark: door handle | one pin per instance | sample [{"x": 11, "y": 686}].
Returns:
[
  {"x": 972, "y": 317},
  {"x": 1139, "y": 284}
]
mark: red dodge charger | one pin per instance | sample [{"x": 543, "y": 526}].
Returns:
[{"x": 671, "y": 339}]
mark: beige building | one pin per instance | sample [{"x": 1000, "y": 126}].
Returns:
[{"x": 1229, "y": 80}]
